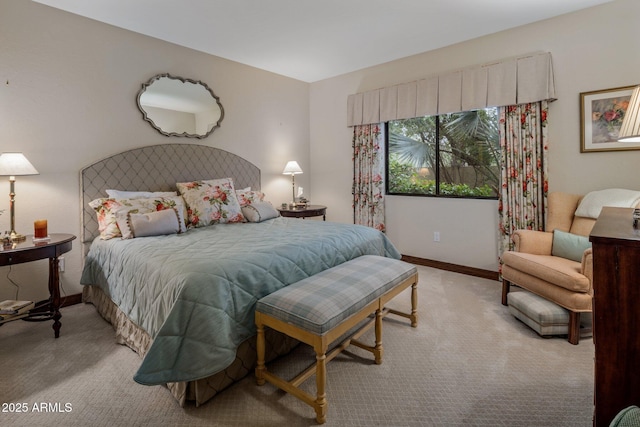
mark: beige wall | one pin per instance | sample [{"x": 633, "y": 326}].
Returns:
[
  {"x": 597, "y": 48},
  {"x": 68, "y": 98},
  {"x": 68, "y": 92}
]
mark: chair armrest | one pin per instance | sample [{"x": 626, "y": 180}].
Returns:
[
  {"x": 587, "y": 267},
  {"x": 532, "y": 241}
]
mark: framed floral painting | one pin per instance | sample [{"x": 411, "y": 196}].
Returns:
[{"x": 601, "y": 114}]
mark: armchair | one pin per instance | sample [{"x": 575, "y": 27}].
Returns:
[{"x": 533, "y": 267}]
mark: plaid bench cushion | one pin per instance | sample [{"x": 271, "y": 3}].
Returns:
[
  {"x": 320, "y": 302},
  {"x": 543, "y": 316}
]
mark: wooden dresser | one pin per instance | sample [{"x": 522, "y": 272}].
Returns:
[{"x": 616, "y": 312}]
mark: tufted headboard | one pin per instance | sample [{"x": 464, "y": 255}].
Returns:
[{"x": 158, "y": 168}]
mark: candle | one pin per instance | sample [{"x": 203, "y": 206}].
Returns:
[{"x": 40, "y": 229}]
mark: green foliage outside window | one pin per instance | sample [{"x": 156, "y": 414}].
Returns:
[
  {"x": 407, "y": 181},
  {"x": 452, "y": 155}
]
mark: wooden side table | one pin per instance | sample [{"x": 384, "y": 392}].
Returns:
[
  {"x": 27, "y": 251},
  {"x": 309, "y": 211}
]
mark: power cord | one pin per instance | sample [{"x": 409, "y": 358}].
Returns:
[
  {"x": 63, "y": 292},
  {"x": 13, "y": 283}
]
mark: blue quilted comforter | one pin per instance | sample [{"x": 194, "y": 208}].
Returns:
[{"x": 195, "y": 293}]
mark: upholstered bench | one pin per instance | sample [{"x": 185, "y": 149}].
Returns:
[
  {"x": 542, "y": 315},
  {"x": 322, "y": 308}
]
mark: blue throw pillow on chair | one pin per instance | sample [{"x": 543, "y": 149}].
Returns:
[{"x": 569, "y": 246}]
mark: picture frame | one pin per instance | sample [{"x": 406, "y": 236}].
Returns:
[{"x": 601, "y": 114}]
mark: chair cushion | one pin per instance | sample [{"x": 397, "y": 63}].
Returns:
[
  {"x": 321, "y": 302},
  {"x": 561, "y": 272}
]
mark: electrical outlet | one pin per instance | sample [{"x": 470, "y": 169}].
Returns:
[
  {"x": 61, "y": 264},
  {"x": 436, "y": 236}
]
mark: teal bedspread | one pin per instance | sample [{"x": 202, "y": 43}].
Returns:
[{"x": 195, "y": 293}]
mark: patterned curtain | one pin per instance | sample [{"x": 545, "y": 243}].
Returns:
[
  {"x": 523, "y": 143},
  {"x": 368, "y": 176}
]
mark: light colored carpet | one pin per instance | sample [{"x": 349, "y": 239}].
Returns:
[{"x": 469, "y": 363}]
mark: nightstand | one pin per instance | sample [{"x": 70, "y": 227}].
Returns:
[
  {"x": 309, "y": 211},
  {"x": 27, "y": 251}
]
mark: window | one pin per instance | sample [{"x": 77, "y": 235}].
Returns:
[{"x": 450, "y": 155}]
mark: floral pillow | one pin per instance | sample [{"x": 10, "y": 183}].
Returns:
[
  {"x": 246, "y": 197},
  {"x": 211, "y": 202},
  {"x": 106, "y": 209}
]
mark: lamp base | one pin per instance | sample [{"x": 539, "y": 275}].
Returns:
[{"x": 15, "y": 237}]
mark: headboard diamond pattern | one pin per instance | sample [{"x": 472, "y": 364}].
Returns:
[{"x": 158, "y": 168}]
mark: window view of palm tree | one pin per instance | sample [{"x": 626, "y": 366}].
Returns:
[{"x": 453, "y": 155}]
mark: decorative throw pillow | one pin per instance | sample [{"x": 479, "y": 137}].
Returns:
[
  {"x": 569, "y": 246},
  {"x": 211, "y": 202},
  {"x": 259, "y": 211},
  {"x": 156, "y": 223},
  {"x": 106, "y": 209},
  {"x": 107, "y": 225},
  {"x": 123, "y": 194},
  {"x": 246, "y": 197}
]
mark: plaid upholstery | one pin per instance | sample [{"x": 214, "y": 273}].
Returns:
[
  {"x": 628, "y": 417},
  {"x": 543, "y": 316},
  {"x": 320, "y": 302}
]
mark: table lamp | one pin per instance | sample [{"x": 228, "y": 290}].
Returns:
[
  {"x": 292, "y": 168},
  {"x": 630, "y": 129},
  {"x": 14, "y": 164}
]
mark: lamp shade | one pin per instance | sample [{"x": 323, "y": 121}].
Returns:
[
  {"x": 630, "y": 129},
  {"x": 13, "y": 164},
  {"x": 292, "y": 168}
]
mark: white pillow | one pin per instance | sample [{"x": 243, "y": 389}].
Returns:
[
  {"x": 155, "y": 223},
  {"x": 259, "y": 211},
  {"x": 592, "y": 203},
  {"x": 123, "y": 194}
]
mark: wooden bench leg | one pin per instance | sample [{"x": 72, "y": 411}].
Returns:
[
  {"x": 320, "y": 405},
  {"x": 574, "y": 327},
  {"x": 414, "y": 305},
  {"x": 413, "y": 316},
  {"x": 378, "y": 350},
  {"x": 260, "y": 349},
  {"x": 506, "y": 286}
]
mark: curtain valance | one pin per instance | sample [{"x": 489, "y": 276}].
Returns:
[{"x": 510, "y": 81}]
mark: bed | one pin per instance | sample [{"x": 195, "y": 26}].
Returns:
[{"x": 185, "y": 302}]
